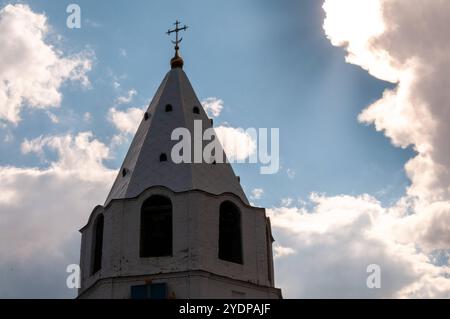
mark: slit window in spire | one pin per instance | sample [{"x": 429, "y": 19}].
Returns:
[
  {"x": 169, "y": 108},
  {"x": 163, "y": 157},
  {"x": 156, "y": 227},
  {"x": 196, "y": 110}
]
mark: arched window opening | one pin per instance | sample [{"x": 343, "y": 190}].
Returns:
[
  {"x": 97, "y": 244},
  {"x": 230, "y": 235},
  {"x": 146, "y": 116},
  {"x": 156, "y": 227},
  {"x": 163, "y": 157},
  {"x": 196, "y": 110},
  {"x": 168, "y": 107}
]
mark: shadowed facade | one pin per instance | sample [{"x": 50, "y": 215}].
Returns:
[{"x": 171, "y": 230}]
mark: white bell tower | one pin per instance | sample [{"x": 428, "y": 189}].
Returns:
[{"x": 172, "y": 230}]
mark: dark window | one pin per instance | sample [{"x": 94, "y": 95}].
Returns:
[
  {"x": 196, "y": 110},
  {"x": 124, "y": 172},
  {"x": 168, "y": 107},
  {"x": 149, "y": 291},
  {"x": 230, "y": 236},
  {"x": 156, "y": 227},
  {"x": 97, "y": 244},
  {"x": 163, "y": 157},
  {"x": 146, "y": 116}
]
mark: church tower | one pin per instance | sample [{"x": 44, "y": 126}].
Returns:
[{"x": 175, "y": 230}]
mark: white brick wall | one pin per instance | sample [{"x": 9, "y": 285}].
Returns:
[{"x": 195, "y": 247}]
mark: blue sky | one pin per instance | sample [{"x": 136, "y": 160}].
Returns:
[
  {"x": 357, "y": 89},
  {"x": 270, "y": 63}
]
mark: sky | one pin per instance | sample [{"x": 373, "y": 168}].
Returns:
[{"x": 358, "y": 90}]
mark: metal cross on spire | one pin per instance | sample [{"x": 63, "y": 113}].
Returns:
[
  {"x": 177, "y": 61},
  {"x": 176, "y": 30}
]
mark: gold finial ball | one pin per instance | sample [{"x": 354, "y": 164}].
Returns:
[{"x": 176, "y": 62}]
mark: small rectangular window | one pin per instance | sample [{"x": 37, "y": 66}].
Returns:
[{"x": 151, "y": 291}]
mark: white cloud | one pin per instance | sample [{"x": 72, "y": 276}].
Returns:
[
  {"x": 78, "y": 155},
  {"x": 116, "y": 84},
  {"x": 291, "y": 173},
  {"x": 402, "y": 42},
  {"x": 354, "y": 24},
  {"x": 53, "y": 118},
  {"x": 8, "y": 137},
  {"x": 32, "y": 70},
  {"x": 92, "y": 23},
  {"x": 127, "y": 121},
  {"x": 213, "y": 106},
  {"x": 280, "y": 251},
  {"x": 87, "y": 117},
  {"x": 42, "y": 210},
  {"x": 237, "y": 143},
  {"x": 127, "y": 98},
  {"x": 338, "y": 238},
  {"x": 286, "y": 202},
  {"x": 257, "y": 193},
  {"x": 415, "y": 48}
]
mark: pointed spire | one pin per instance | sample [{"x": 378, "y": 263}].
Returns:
[
  {"x": 148, "y": 161},
  {"x": 146, "y": 164},
  {"x": 177, "y": 60}
]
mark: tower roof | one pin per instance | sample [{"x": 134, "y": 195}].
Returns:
[{"x": 142, "y": 167}]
